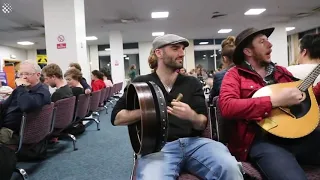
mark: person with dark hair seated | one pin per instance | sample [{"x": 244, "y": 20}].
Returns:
[
  {"x": 97, "y": 80},
  {"x": 309, "y": 57}
]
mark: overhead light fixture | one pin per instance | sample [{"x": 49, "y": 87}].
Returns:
[
  {"x": 124, "y": 55},
  {"x": 157, "y": 33},
  {"x": 160, "y": 14},
  {"x": 290, "y": 28},
  {"x": 6, "y": 8},
  {"x": 202, "y": 43},
  {"x": 25, "y": 43},
  {"x": 91, "y": 38},
  {"x": 254, "y": 11},
  {"x": 107, "y": 49},
  {"x": 127, "y": 58},
  {"x": 224, "y": 31}
]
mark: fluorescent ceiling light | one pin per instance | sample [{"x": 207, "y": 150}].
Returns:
[
  {"x": 107, "y": 49},
  {"x": 254, "y": 11},
  {"x": 204, "y": 43},
  {"x": 159, "y": 14},
  {"x": 25, "y": 43},
  {"x": 127, "y": 58},
  {"x": 290, "y": 28},
  {"x": 157, "y": 33},
  {"x": 224, "y": 30},
  {"x": 91, "y": 38}
]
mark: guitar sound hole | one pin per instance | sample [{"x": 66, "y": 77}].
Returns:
[{"x": 303, "y": 108}]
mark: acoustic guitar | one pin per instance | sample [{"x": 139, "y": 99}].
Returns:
[{"x": 294, "y": 121}]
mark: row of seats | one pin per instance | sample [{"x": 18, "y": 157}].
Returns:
[{"x": 52, "y": 119}]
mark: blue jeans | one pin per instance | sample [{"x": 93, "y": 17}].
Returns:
[
  {"x": 278, "y": 158},
  {"x": 202, "y": 157}
]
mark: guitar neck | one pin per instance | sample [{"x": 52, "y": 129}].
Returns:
[{"x": 308, "y": 81}]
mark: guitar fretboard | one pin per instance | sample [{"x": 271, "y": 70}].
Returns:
[{"x": 308, "y": 81}]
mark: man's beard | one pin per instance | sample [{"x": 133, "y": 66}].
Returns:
[
  {"x": 260, "y": 59},
  {"x": 171, "y": 63}
]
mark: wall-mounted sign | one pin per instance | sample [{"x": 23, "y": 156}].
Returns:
[
  {"x": 42, "y": 59},
  {"x": 61, "y": 44}
]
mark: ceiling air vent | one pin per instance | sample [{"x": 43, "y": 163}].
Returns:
[{"x": 217, "y": 14}]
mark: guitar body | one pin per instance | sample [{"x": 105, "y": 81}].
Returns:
[{"x": 290, "y": 122}]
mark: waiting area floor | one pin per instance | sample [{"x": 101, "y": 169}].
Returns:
[{"x": 101, "y": 155}]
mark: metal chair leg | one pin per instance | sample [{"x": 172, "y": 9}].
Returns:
[
  {"x": 22, "y": 173},
  {"x": 97, "y": 122},
  {"x": 74, "y": 140},
  {"x": 106, "y": 107}
]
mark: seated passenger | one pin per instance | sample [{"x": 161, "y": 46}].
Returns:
[
  {"x": 107, "y": 78},
  {"x": 277, "y": 158},
  {"x": 52, "y": 74},
  {"x": 226, "y": 59},
  {"x": 185, "y": 149},
  {"x": 306, "y": 62},
  {"x": 97, "y": 81},
  {"x": 83, "y": 81},
  {"x": 73, "y": 78},
  {"x": 29, "y": 95}
]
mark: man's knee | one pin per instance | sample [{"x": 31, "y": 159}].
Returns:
[{"x": 230, "y": 168}]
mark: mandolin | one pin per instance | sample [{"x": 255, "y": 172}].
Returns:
[{"x": 295, "y": 121}]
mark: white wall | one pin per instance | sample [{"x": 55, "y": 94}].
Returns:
[
  {"x": 279, "y": 41},
  {"x": 144, "y": 52},
  {"x": 5, "y": 53},
  {"x": 93, "y": 57},
  {"x": 32, "y": 54}
]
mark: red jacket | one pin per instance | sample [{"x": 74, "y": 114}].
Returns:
[
  {"x": 236, "y": 104},
  {"x": 97, "y": 85}
]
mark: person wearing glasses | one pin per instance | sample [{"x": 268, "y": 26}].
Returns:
[{"x": 29, "y": 95}]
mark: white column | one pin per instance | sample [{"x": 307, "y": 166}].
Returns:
[
  {"x": 280, "y": 45},
  {"x": 32, "y": 54},
  {"x": 144, "y": 52},
  {"x": 94, "y": 57},
  {"x": 66, "y": 34},
  {"x": 189, "y": 62},
  {"x": 116, "y": 55}
]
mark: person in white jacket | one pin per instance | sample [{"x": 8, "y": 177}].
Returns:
[{"x": 309, "y": 57}]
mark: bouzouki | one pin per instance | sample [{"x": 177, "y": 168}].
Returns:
[
  {"x": 295, "y": 121},
  {"x": 149, "y": 134}
]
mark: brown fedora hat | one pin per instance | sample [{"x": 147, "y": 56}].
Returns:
[{"x": 244, "y": 38}]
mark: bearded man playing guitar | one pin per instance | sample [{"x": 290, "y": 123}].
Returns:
[
  {"x": 276, "y": 157},
  {"x": 185, "y": 149}
]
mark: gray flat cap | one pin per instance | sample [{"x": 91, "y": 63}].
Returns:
[{"x": 167, "y": 39}]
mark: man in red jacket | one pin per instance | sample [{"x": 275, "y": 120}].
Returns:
[{"x": 276, "y": 157}]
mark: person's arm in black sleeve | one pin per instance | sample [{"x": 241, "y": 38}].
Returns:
[
  {"x": 200, "y": 119},
  {"x": 121, "y": 116},
  {"x": 84, "y": 84}
]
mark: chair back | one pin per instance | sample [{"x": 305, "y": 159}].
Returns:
[
  {"x": 82, "y": 106},
  {"x": 102, "y": 96},
  {"x": 64, "y": 112},
  {"x": 94, "y": 100},
  {"x": 108, "y": 91},
  {"x": 207, "y": 132},
  {"x": 37, "y": 125},
  {"x": 222, "y": 126}
]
